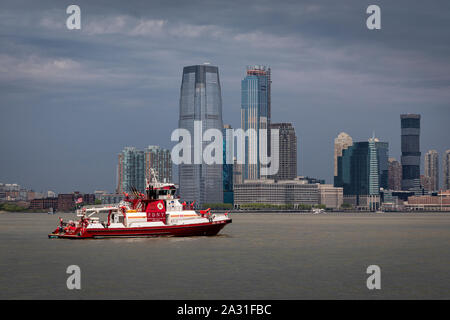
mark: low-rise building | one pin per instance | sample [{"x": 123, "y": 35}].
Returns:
[
  {"x": 44, "y": 204},
  {"x": 438, "y": 202},
  {"x": 268, "y": 191},
  {"x": 363, "y": 202},
  {"x": 66, "y": 202},
  {"x": 330, "y": 196},
  {"x": 111, "y": 198}
]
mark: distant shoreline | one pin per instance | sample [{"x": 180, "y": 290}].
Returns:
[{"x": 267, "y": 212}]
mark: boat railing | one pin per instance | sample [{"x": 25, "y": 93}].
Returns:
[{"x": 92, "y": 209}]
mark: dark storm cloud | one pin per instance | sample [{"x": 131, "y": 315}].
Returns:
[{"x": 71, "y": 100}]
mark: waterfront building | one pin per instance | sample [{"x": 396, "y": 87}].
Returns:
[
  {"x": 410, "y": 146},
  {"x": 432, "y": 170},
  {"x": 237, "y": 172},
  {"x": 88, "y": 198},
  {"x": 269, "y": 191},
  {"x": 227, "y": 165},
  {"x": 287, "y": 192},
  {"x": 256, "y": 115},
  {"x": 330, "y": 196},
  {"x": 111, "y": 198},
  {"x": 343, "y": 141},
  {"x": 134, "y": 167},
  {"x": 363, "y": 169},
  {"x": 439, "y": 202},
  {"x": 394, "y": 174},
  {"x": 369, "y": 202},
  {"x": 287, "y": 151},
  {"x": 160, "y": 160},
  {"x": 383, "y": 163},
  {"x": 200, "y": 100},
  {"x": 131, "y": 170},
  {"x": 66, "y": 202},
  {"x": 44, "y": 203},
  {"x": 358, "y": 169},
  {"x": 446, "y": 170},
  {"x": 10, "y": 191}
]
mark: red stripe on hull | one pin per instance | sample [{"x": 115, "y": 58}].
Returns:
[{"x": 201, "y": 229}]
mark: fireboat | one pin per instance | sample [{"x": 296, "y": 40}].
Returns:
[{"x": 156, "y": 213}]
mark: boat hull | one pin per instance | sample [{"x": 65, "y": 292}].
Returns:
[{"x": 199, "y": 229}]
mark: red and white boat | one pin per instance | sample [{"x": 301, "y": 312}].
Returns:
[{"x": 158, "y": 213}]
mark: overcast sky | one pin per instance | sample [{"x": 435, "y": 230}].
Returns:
[{"x": 71, "y": 100}]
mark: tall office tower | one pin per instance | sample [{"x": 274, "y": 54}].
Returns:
[
  {"x": 432, "y": 169},
  {"x": 131, "y": 170},
  {"x": 343, "y": 141},
  {"x": 374, "y": 169},
  {"x": 383, "y": 163},
  {"x": 425, "y": 182},
  {"x": 287, "y": 151},
  {"x": 237, "y": 173},
  {"x": 200, "y": 108},
  {"x": 358, "y": 170},
  {"x": 228, "y": 161},
  {"x": 410, "y": 125},
  {"x": 255, "y": 114},
  {"x": 160, "y": 160},
  {"x": 446, "y": 170},
  {"x": 394, "y": 175}
]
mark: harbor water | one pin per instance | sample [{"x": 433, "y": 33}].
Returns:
[{"x": 258, "y": 256}]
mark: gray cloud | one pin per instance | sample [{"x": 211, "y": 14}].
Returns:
[{"x": 72, "y": 99}]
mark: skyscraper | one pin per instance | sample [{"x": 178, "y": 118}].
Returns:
[
  {"x": 160, "y": 160},
  {"x": 446, "y": 170},
  {"x": 131, "y": 170},
  {"x": 287, "y": 151},
  {"x": 255, "y": 114},
  {"x": 361, "y": 168},
  {"x": 410, "y": 125},
  {"x": 343, "y": 141},
  {"x": 228, "y": 160},
  {"x": 134, "y": 166},
  {"x": 383, "y": 164},
  {"x": 394, "y": 175},
  {"x": 200, "y": 100},
  {"x": 432, "y": 169}
]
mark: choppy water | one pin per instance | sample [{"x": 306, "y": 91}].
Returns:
[{"x": 258, "y": 256}]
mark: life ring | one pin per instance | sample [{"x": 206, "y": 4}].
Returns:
[{"x": 160, "y": 206}]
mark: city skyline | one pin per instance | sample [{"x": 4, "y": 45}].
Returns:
[{"x": 71, "y": 100}]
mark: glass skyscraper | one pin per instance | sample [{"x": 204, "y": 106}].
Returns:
[
  {"x": 363, "y": 168},
  {"x": 410, "y": 125},
  {"x": 383, "y": 163},
  {"x": 228, "y": 196},
  {"x": 255, "y": 114},
  {"x": 131, "y": 170},
  {"x": 200, "y": 100},
  {"x": 160, "y": 160},
  {"x": 135, "y": 166}
]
